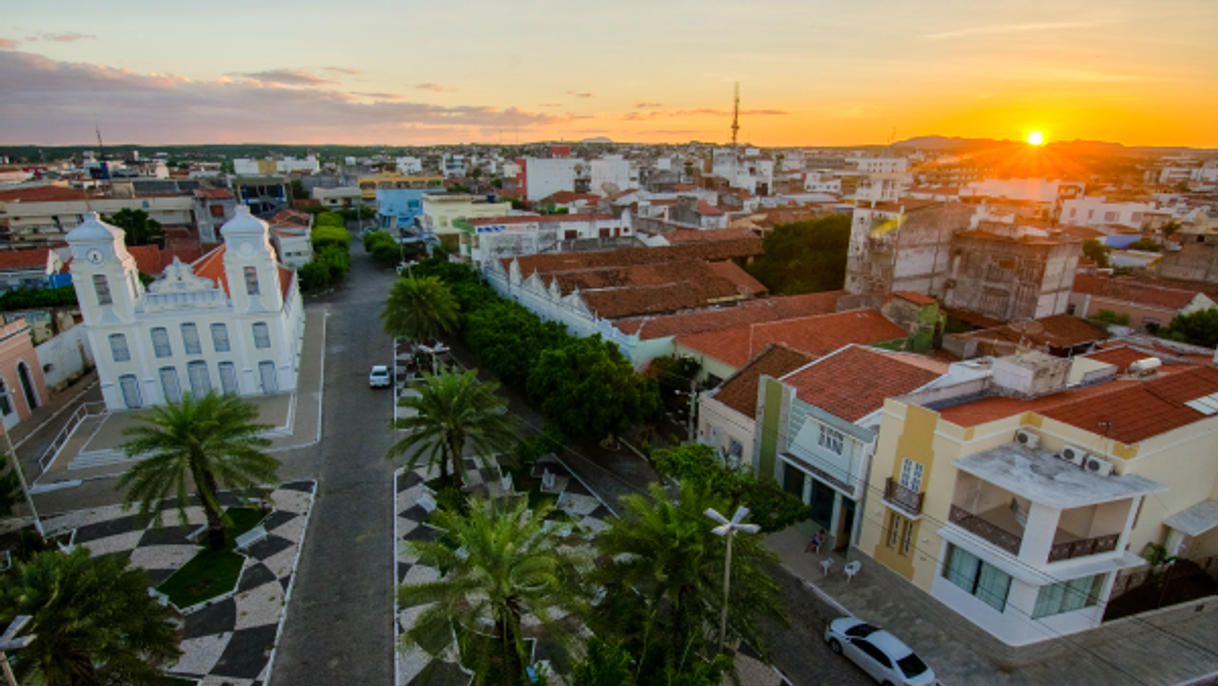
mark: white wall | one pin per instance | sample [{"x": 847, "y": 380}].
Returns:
[
  {"x": 548, "y": 176},
  {"x": 68, "y": 354}
]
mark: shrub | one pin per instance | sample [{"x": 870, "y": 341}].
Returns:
[
  {"x": 313, "y": 276},
  {"x": 326, "y": 236},
  {"x": 37, "y": 298},
  {"x": 1110, "y": 317}
]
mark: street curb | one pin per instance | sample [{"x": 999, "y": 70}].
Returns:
[
  {"x": 58, "y": 412},
  {"x": 287, "y": 595}
]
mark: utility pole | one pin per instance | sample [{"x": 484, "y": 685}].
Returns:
[
  {"x": 29, "y": 499},
  {"x": 693, "y": 407},
  {"x": 728, "y": 529},
  {"x": 736, "y": 116}
]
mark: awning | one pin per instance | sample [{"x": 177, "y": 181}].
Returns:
[{"x": 1195, "y": 520}]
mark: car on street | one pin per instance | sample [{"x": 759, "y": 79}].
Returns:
[
  {"x": 883, "y": 656},
  {"x": 379, "y": 377}
]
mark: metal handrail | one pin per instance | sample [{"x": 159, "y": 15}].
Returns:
[
  {"x": 79, "y": 415},
  {"x": 1084, "y": 547},
  {"x": 903, "y": 497},
  {"x": 989, "y": 531}
]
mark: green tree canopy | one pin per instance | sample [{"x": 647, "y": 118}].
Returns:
[
  {"x": 139, "y": 228},
  {"x": 501, "y": 564},
  {"x": 93, "y": 619},
  {"x": 419, "y": 309},
  {"x": 588, "y": 388},
  {"x": 10, "y": 487},
  {"x": 1145, "y": 244},
  {"x": 209, "y": 441},
  {"x": 1197, "y": 328},
  {"x": 1097, "y": 251},
  {"x": 327, "y": 235},
  {"x": 805, "y": 257},
  {"x": 452, "y": 412}
]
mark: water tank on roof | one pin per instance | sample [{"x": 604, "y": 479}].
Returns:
[{"x": 1145, "y": 366}]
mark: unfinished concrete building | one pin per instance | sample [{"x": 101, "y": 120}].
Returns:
[
  {"x": 1195, "y": 260},
  {"x": 903, "y": 246},
  {"x": 1011, "y": 272}
]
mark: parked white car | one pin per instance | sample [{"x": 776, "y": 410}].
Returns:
[
  {"x": 379, "y": 378},
  {"x": 883, "y": 656}
]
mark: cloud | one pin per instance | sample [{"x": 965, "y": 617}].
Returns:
[
  {"x": 7, "y": 44},
  {"x": 344, "y": 70},
  {"x": 700, "y": 111},
  {"x": 379, "y": 96},
  {"x": 48, "y": 101},
  {"x": 581, "y": 95},
  {"x": 435, "y": 87},
  {"x": 285, "y": 77},
  {"x": 66, "y": 37},
  {"x": 647, "y": 105},
  {"x": 550, "y": 104},
  {"x": 1012, "y": 28}
]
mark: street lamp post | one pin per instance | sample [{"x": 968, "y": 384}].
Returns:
[
  {"x": 7, "y": 642},
  {"x": 729, "y": 528},
  {"x": 29, "y": 499}
]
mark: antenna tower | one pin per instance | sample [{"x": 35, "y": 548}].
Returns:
[{"x": 736, "y": 115}]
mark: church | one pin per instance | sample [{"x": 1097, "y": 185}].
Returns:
[{"x": 232, "y": 321}]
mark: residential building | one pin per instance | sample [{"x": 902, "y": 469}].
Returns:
[
  {"x": 285, "y": 165},
  {"x": 452, "y": 165},
  {"x": 1196, "y": 259},
  {"x": 1062, "y": 335},
  {"x": 613, "y": 174},
  {"x": 213, "y": 207},
  {"x": 1097, "y": 210},
  {"x": 1008, "y": 271},
  {"x": 339, "y": 197},
  {"x": 400, "y": 208},
  {"x": 262, "y": 194},
  {"x": 31, "y": 268},
  {"x": 368, "y": 185},
  {"x": 42, "y": 215},
  {"x": 1016, "y": 500},
  {"x": 497, "y": 238},
  {"x": 818, "y": 428},
  {"x": 540, "y": 178},
  {"x": 289, "y": 232},
  {"x": 1148, "y": 305},
  {"x": 440, "y": 211},
  {"x": 409, "y": 165},
  {"x": 232, "y": 321},
  {"x": 22, "y": 386},
  {"x": 905, "y": 246}
]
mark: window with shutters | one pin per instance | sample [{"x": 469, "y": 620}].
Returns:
[
  {"x": 911, "y": 475},
  {"x": 160, "y": 342},
  {"x": 190, "y": 339},
  {"x": 831, "y": 440},
  {"x": 262, "y": 335},
  {"x": 200, "y": 380},
  {"x": 118, "y": 348},
  {"x": 101, "y": 286},
  {"x": 219, "y": 337}
]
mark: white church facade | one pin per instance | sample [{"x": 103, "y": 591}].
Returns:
[{"x": 232, "y": 321}]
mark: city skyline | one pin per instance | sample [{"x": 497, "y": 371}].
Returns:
[{"x": 810, "y": 73}]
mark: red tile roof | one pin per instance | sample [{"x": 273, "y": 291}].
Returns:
[
  {"x": 1125, "y": 410},
  {"x": 1120, "y": 357},
  {"x": 713, "y": 251},
  {"x": 708, "y": 209},
  {"x": 568, "y": 197},
  {"x": 764, "y": 310},
  {"x": 540, "y": 219},
  {"x": 43, "y": 194},
  {"x": 214, "y": 193},
  {"x": 1131, "y": 291},
  {"x": 819, "y": 335},
  {"x": 915, "y": 298},
  {"x": 739, "y": 391},
  {"x": 1055, "y": 331},
  {"x": 696, "y": 236},
  {"x": 291, "y": 218},
  {"x": 854, "y": 381},
  {"x": 745, "y": 284},
  {"x": 25, "y": 259}
]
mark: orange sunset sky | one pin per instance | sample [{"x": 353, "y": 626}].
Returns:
[{"x": 811, "y": 73}]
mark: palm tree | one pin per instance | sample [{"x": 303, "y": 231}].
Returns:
[
  {"x": 666, "y": 550},
  {"x": 453, "y": 411},
  {"x": 93, "y": 619},
  {"x": 211, "y": 441},
  {"x": 419, "y": 309},
  {"x": 501, "y": 564}
]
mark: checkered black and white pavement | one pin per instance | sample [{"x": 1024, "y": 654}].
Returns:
[{"x": 230, "y": 639}]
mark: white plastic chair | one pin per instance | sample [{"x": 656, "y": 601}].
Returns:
[
  {"x": 852, "y": 569},
  {"x": 826, "y": 565}
]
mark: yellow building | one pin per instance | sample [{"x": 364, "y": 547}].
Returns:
[
  {"x": 440, "y": 211},
  {"x": 1019, "y": 499},
  {"x": 369, "y": 184}
]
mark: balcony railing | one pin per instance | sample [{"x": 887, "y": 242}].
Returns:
[
  {"x": 1083, "y": 548},
  {"x": 904, "y": 498},
  {"x": 991, "y": 532}
]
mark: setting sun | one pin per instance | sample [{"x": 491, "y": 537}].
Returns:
[{"x": 1036, "y": 138}]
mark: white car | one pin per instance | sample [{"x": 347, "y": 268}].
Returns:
[
  {"x": 877, "y": 652},
  {"x": 379, "y": 378}
]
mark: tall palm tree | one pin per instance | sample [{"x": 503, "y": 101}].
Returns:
[
  {"x": 420, "y": 308},
  {"x": 211, "y": 441},
  {"x": 93, "y": 619},
  {"x": 665, "y": 548},
  {"x": 453, "y": 411},
  {"x": 501, "y": 565}
]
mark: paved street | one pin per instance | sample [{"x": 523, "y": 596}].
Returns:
[{"x": 339, "y": 628}]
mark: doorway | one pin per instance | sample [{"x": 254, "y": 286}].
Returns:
[
  {"x": 27, "y": 385},
  {"x": 845, "y": 529}
]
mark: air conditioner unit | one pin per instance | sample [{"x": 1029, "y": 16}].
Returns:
[
  {"x": 1074, "y": 455},
  {"x": 1027, "y": 438},
  {"x": 1098, "y": 465}
]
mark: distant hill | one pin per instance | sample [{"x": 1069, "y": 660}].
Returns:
[
  {"x": 598, "y": 139},
  {"x": 1076, "y": 146}
]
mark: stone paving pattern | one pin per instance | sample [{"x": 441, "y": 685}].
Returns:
[{"x": 227, "y": 640}]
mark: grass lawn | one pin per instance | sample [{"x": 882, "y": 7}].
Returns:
[{"x": 211, "y": 572}]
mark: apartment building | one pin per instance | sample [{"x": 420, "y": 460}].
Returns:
[
  {"x": 1018, "y": 497},
  {"x": 505, "y": 237},
  {"x": 439, "y": 212}
]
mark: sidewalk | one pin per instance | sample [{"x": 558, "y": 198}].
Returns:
[{"x": 1166, "y": 647}]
